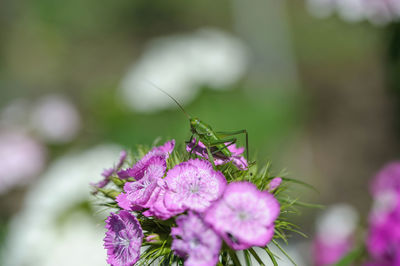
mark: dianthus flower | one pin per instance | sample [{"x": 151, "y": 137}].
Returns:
[
  {"x": 139, "y": 169},
  {"x": 387, "y": 179},
  {"x": 195, "y": 241},
  {"x": 384, "y": 227},
  {"x": 123, "y": 239},
  {"x": 158, "y": 208},
  {"x": 193, "y": 185},
  {"x": 383, "y": 241},
  {"x": 236, "y": 154},
  {"x": 143, "y": 193},
  {"x": 274, "y": 184},
  {"x": 329, "y": 253},
  {"x": 244, "y": 216},
  {"x": 335, "y": 234},
  {"x": 107, "y": 173}
]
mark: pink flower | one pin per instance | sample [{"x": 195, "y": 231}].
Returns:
[
  {"x": 21, "y": 159},
  {"x": 329, "y": 253},
  {"x": 335, "y": 234},
  {"x": 107, "y": 173},
  {"x": 123, "y": 239},
  {"x": 195, "y": 241},
  {"x": 244, "y": 216},
  {"x": 158, "y": 209},
  {"x": 143, "y": 193},
  {"x": 274, "y": 184},
  {"x": 193, "y": 185},
  {"x": 383, "y": 241},
  {"x": 55, "y": 119},
  {"x": 139, "y": 169},
  {"x": 387, "y": 179}
]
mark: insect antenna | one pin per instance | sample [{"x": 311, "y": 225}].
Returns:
[{"x": 166, "y": 93}]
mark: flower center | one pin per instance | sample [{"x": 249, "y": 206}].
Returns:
[
  {"x": 243, "y": 216},
  {"x": 194, "y": 188},
  {"x": 144, "y": 184},
  {"x": 194, "y": 243},
  {"x": 124, "y": 242}
]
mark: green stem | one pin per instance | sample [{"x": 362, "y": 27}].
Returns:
[
  {"x": 255, "y": 255},
  {"x": 234, "y": 257},
  {"x": 271, "y": 256}
]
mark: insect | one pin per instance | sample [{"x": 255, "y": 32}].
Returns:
[{"x": 216, "y": 143}]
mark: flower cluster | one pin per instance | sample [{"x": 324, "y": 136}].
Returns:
[
  {"x": 383, "y": 240},
  {"x": 183, "y": 208}
]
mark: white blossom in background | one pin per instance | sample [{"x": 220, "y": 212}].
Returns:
[
  {"x": 337, "y": 222},
  {"x": 21, "y": 158},
  {"x": 378, "y": 12},
  {"x": 180, "y": 64},
  {"x": 55, "y": 119},
  {"x": 46, "y": 232}
]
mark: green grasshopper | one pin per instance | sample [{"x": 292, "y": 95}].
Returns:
[{"x": 216, "y": 143}]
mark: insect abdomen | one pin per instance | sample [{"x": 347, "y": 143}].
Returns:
[{"x": 209, "y": 136}]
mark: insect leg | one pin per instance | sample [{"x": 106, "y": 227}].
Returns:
[
  {"x": 242, "y": 131},
  {"x": 210, "y": 156},
  {"x": 222, "y": 141},
  {"x": 194, "y": 146}
]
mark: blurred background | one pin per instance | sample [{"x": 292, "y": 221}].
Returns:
[{"x": 315, "y": 87}]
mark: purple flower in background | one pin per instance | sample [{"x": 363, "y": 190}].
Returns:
[
  {"x": 193, "y": 185},
  {"x": 325, "y": 254},
  {"x": 244, "y": 216},
  {"x": 383, "y": 241},
  {"x": 335, "y": 234},
  {"x": 123, "y": 239},
  {"x": 274, "y": 184},
  {"x": 385, "y": 261},
  {"x": 56, "y": 119},
  {"x": 387, "y": 179},
  {"x": 107, "y": 173},
  {"x": 143, "y": 193},
  {"x": 236, "y": 154},
  {"x": 22, "y": 158},
  {"x": 138, "y": 170},
  {"x": 195, "y": 241}
]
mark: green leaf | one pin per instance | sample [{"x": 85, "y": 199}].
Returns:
[
  {"x": 351, "y": 257},
  {"x": 271, "y": 256},
  {"x": 234, "y": 257},
  {"x": 247, "y": 258},
  {"x": 288, "y": 179},
  {"x": 309, "y": 205},
  {"x": 109, "y": 193},
  {"x": 281, "y": 236},
  {"x": 118, "y": 182},
  {"x": 284, "y": 252},
  {"x": 255, "y": 255}
]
